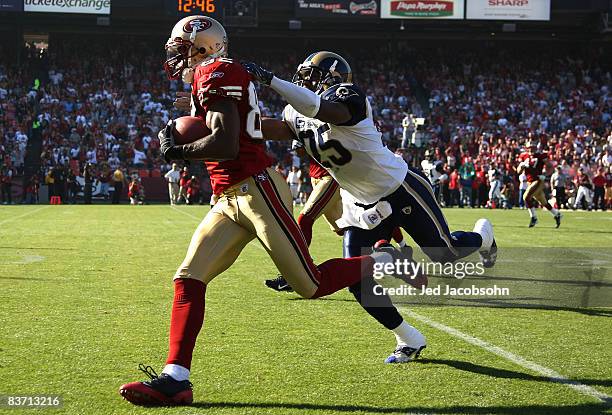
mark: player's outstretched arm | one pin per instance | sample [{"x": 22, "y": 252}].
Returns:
[
  {"x": 276, "y": 130},
  {"x": 304, "y": 100},
  {"x": 223, "y": 119}
]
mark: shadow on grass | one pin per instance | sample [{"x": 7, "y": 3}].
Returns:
[
  {"x": 28, "y": 279},
  {"x": 584, "y": 409},
  {"x": 484, "y": 303},
  {"x": 504, "y": 373}
]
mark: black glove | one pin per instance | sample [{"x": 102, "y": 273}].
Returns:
[
  {"x": 169, "y": 150},
  {"x": 261, "y": 75}
]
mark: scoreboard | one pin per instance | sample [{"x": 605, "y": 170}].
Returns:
[{"x": 212, "y": 8}]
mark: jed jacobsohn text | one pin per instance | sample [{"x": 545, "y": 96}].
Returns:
[
  {"x": 411, "y": 269},
  {"x": 442, "y": 290}
]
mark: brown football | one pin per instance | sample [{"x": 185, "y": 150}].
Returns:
[{"x": 189, "y": 129}]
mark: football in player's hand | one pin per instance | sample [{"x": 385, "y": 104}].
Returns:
[{"x": 189, "y": 129}]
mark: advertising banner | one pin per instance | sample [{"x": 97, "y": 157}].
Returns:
[
  {"x": 422, "y": 9},
  {"x": 68, "y": 6},
  {"x": 337, "y": 8},
  {"x": 508, "y": 9}
]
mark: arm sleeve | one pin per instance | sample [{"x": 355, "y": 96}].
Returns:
[
  {"x": 352, "y": 97},
  {"x": 302, "y": 99}
]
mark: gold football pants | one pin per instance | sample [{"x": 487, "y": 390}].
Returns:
[
  {"x": 535, "y": 190},
  {"x": 324, "y": 200},
  {"x": 258, "y": 207}
]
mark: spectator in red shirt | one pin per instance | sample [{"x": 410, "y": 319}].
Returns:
[
  {"x": 193, "y": 190},
  {"x": 599, "y": 182},
  {"x": 183, "y": 182},
  {"x": 454, "y": 186}
]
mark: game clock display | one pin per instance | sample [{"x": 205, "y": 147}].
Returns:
[{"x": 211, "y": 8}]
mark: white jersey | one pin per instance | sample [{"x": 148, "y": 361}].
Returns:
[{"x": 352, "y": 153}]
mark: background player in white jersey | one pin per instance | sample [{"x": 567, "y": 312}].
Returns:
[{"x": 333, "y": 119}]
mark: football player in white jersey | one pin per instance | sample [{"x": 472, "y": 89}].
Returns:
[{"x": 332, "y": 117}]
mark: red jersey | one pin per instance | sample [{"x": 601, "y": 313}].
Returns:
[
  {"x": 316, "y": 171},
  {"x": 133, "y": 189},
  {"x": 536, "y": 161},
  {"x": 599, "y": 180},
  {"x": 222, "y": 78},
  {"x": 184, "y": 180}
]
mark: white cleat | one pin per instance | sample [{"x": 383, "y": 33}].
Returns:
[
  {"x": 488, "y": 251},
  {"x": 405, "y": 354}
]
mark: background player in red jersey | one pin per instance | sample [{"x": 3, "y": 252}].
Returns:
[
  {"x": 254, "y": 202},
  {"x": 534, "y": 164}
]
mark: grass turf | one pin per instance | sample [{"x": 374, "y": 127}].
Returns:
[{"x": 86, "y": 294}]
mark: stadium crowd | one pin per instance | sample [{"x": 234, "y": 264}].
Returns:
[{"x": 104, "y": 111}]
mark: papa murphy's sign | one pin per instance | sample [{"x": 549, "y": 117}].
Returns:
[
  {"x": 421, "y": 9},
  {"x": 68, "y": 6},
  {"x": 508, "y": 9}
]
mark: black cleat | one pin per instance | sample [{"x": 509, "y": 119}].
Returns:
[
  {"x": 533, "y": 222},
  {"x": 162, "y": 390},
  {"x": 488, "y": 258},
  {"x": 558, "y": 217},
  {"x": 279, "y": 284}
]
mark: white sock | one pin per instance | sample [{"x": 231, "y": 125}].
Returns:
[
  {"x": 532, "y": 212},
  {"x": 177, "y": 372},
  {"x": 406, "y": 335},
  {"x": 554, "y": 212}
]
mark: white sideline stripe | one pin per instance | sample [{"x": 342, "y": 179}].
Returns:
[
  {"x": 257, "y": 245},
  {"x": 526, "y": 364},
  {"x": 186, "y": 213},
  {"x": 23, "y": 215}
]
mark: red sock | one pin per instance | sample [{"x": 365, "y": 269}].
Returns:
[
  {"x": 186, "y": 321},
  {"x": 338, "y": 273},
  {"x": 305, "y": 223},
  {"x": 397, "y": 235}
]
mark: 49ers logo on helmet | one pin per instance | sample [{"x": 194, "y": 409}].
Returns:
[{"x": 198, "y": 24}]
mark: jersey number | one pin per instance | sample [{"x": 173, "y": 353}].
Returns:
[
  {"x": 335, "y": 153},
  {"x": 253, "y": 121}
]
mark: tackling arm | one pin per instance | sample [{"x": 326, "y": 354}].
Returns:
[
  {"x": 302, "y": 99},
  {"x": 311, "y": 104}
]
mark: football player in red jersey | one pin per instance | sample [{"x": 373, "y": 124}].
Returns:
[
  {"x": 254, "y": 202},
  {"x": 534, "y": 164}
]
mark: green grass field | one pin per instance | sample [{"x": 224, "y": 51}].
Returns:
[{"x": 86, "y": 295}]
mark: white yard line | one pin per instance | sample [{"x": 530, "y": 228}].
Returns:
[
  {"x": 524, "y": 363},
  {"x": 5, "y": 221},
  {"x": 187, "y": 214}
]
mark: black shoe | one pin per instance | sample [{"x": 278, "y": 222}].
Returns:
[
  {"x": 533, "y": 222},
  {"x": 488, "y": 258},
  {"x": 558, "y": 219},
  {"x": 279, "y": 284},
  {"x": 161, "y": 390}
]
